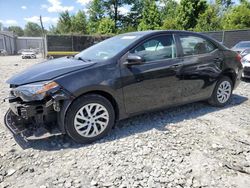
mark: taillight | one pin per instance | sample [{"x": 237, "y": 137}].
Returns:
[{"x": 238, "y": 58}]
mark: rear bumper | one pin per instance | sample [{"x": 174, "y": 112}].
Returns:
[{"x": 238, "y": 78}]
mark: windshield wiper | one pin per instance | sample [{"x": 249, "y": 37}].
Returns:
[
  {"x": 84, "y": 60},
  {"x": 70, "y": 56}
]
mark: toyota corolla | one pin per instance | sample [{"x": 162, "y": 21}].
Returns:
[{"x": 86, "y": 94}]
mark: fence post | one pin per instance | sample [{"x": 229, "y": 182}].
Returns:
[
  {"x": 43, "y": 36},
  {"x": 72, "y": 43},
  {"x": 223, "y": 37}
]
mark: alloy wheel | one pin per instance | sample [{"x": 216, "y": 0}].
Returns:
[
  {"x": 224, "y": 91},
  {"x": 91, "y": 120}
]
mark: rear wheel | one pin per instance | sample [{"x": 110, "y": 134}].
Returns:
[
  {"x": 89, "y": 118},
  {"x": 222, "y": 93}
]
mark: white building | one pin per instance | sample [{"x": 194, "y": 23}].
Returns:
[
  {"x": 12, "y": 44},
  {"x": 8, "y": 42}
]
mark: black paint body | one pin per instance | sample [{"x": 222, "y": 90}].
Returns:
[{"x": 139, "y": 88}]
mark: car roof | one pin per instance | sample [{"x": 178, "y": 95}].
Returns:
[
  {"x": 144, "y": 33},
  {"x": 153, "y": 32}
]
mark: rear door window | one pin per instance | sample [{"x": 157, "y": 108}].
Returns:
[{"x": 193, "y": 45}]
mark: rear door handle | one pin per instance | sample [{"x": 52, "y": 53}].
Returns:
[
  {"x": 176, "y": 66},
  {"x": 218, "y": 59}
]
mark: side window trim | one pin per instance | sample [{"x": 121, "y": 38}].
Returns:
[
  {"x": 159, "y": 35},
  {"x": 178, "y": 36}
]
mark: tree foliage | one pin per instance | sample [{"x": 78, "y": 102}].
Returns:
[
  {"x": 64, "y": 23},
  {"x": 112, "y": 9},
  {"x": 96, "y": 13},
  {"x": 170, "y": 10},
  {"x": 237, "y": 17},
  {"x": 189, "y": 12},
  {"x": 32, "y": 30},
  {"x": 225, "y": 4},
  {"x": 71, "y": 23},
  {"x": 135, "y": 15},
  {"x": 209, "y": 20},
  {"x": 151, "y": 17},
  {"x": 17, "y": 30},
  {"x": 107, "y": 16},
  {"x": 79, "y": 23},
  {"x": 106, "y": 26}
]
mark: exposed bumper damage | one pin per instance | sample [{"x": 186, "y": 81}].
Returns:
[{"x": 37, "y": 119}]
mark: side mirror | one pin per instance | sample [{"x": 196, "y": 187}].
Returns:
[{"x": 134, "y": 59}]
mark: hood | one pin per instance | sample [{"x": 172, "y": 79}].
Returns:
[{"x": 48, "y": 70}]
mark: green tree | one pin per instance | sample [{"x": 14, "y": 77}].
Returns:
[
  {"x": 189, "y": 12},
  {"x": 210, "y": 20},
  {"x": 1, "y": 26},
  {"x": 171, "y": 23},
  {"x": 131, "y": 21},
  {"x": 96, "y": 13},
  {"x": 64, "y": 23},
  {"x": 17, "y": 30},
  {"x": 106, "y": 26},
  {"x": 151, "y": 17},
  {"x": 79, "y": 23},
  {"x": 53, "y": 30},
  {"x": 170, "y": 8},
  {"x": 112, "y": 7},
  {"x": 238, "y": 17},
  {"x": 32, "y": 30},
  {"x": 224, "y": 3},
  {"x": 169, "y": 12}
]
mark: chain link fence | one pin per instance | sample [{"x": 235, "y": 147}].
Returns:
[
  {"x": 230, "y": 38},
  {"x": 62, "y": 45}
]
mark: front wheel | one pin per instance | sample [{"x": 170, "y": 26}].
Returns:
[
  {"x": 222, "y": 93},
  {"x": 89, "y": 118}
]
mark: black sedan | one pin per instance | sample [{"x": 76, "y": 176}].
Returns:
[{"x": 84, "y": 95}]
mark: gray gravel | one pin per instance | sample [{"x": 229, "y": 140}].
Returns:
[{"x": 194, "y": 145}]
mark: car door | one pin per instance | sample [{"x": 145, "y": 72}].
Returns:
[
  {"x": 152, "y": 84},
  {"x": 202, "y": 64}
]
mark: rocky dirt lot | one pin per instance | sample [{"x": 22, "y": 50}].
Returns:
[{"x": 194, "y": 145}]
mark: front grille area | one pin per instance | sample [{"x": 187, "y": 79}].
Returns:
[
  {"x": 39, "y": 110},
  {"x": 246, "y": 71}
]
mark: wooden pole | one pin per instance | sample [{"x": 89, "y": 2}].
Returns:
[{"x": 43, "y": 36}]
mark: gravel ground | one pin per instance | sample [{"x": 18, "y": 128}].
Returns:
[{"x": 194, "y": 145}]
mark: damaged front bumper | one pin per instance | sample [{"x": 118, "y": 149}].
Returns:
[{"x": 37, "y": 119}]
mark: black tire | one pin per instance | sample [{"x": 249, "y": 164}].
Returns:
[
  {"x": 76, "y": 106},
  {"x": 214, "y": 101}
]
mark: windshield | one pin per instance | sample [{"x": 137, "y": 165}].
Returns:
[
  {"x": 107, "y": 48},
  {"x": 243, "y": 45}
]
